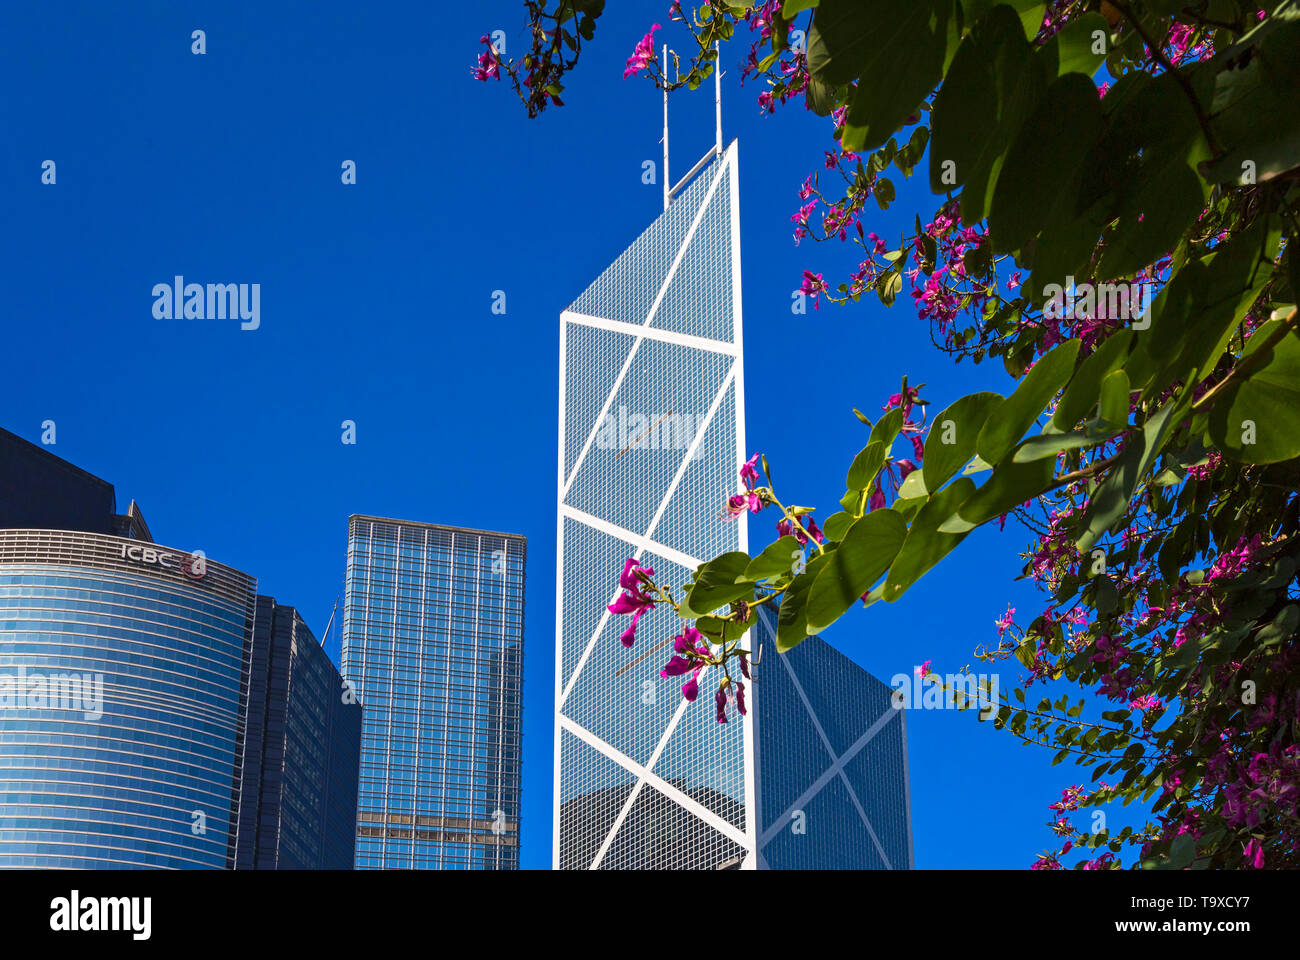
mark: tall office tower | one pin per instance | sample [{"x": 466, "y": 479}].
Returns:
[
  {"x": 302, "y": 751},
  {"x": 650, "y": 445},
  {"x": 127, "y": 693},
  {"x": 433, "y": 629}
]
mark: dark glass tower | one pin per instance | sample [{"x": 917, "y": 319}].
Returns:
[
  {"x": 154, "y": 712},
  {"x": 301, "y": 754},
  {"x": 433, "y": 641}
]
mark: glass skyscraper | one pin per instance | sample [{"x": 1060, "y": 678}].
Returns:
[
  {"x": 302, "y": 751},
  {"x": 154, "y": 712},
  {"x": 651, "y": 442},
  {"x": 433, "y": 642},
  {"x": 147, "y": 773}
]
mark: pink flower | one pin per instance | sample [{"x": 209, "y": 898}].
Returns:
[
  {"x": 924, "y": 669},
  {"x": 1148, "y": 702},
  {"x": 1006, "y": 621},
  {"x": 643, "y": 55},
  {"x": 749, "y": 472},
  {"x": 1254, "y": 854},
  {"x": 814, "y": 286},
  {"x": 720, "y": 700},
  {"x": 898, "y": 400},
  {"x": 801, "y": 533},
  {"x": 676, "y": 667},
  {"x": 489, "y": 64},
  {"x": 1101, "y": 863},
  {"x": 634, "y": 600},
  {"x": 738, "y": 504}
]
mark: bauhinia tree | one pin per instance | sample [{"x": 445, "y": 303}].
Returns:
[{"x": 1126, "y": 248}]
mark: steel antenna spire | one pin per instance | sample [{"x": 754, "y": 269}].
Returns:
[{"x": 671, "y": 190}]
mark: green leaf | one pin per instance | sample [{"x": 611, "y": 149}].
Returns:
[
  {"x": 1114, "y": 402},
  {"x": 1257, "y": 419},
  {"x": 1011, "y": 485},
  {"x": 1111, "y": 500},
  {"x": 1256, "y": 107},
  {"x": 990, "y": 88},
  {"x": 866, "y": 465},
  {"x": 790, "y": 7},
  {"x": 1143, "y": 164},
  {"x": 1029, "y": 13},
  {"x": 896, "y": 52},
  {"x": 913, "y": 486},
  {"x": 775, "y": 561},
  {"x": 1182, "y": 851},
  {"x": 1050, "y": 444},
  {"x": 837, "y": 524},
  {"x": 1197, "y": 314},
  {"x": 1157, "y": 211},
  {"x": 1039, "y": 180},
  {"x": 724, "y": 631},
  {"x": 1078, "y": 41},
  {"x": 1018, "y": 412},
  {"x": 1081, "y": 395},
  {"x": 792, "y": 621},
  {"x": 953, "y": 436},
  {"x": 1282, "y": 628},
  {"x": 822, "y": 97},
  {"x": 868, "y": 462},
  {"x": 925, "y": 545},
  {"x": 716, "y": 583},
  {"x": 865, "y": 553},
  {"x": 1106, "y": 597}
]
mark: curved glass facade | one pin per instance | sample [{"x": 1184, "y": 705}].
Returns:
[{"x": 122, "y": 686}]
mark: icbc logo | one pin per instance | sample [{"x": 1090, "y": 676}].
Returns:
[{"x": 193, "y": 565}]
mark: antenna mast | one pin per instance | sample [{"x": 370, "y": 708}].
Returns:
[
  {"x": 668, "y": 195},
  {"x": 671, "y": 191},
  {"x": 331, "y": 622},
  {"x": 717, "y": 93}
]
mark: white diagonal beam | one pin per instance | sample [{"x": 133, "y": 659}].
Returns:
[
  {"x": 654, "y": 309},
  {"x": 645, "y": 541},
  {"x": 724, "y": 827},
  {"x": 635, "y": 540},
  {"x": 636, "y": 791},
  {"x": 652, "y": 333}
]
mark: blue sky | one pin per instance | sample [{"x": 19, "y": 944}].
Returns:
[{"x": 376, "y": 307}]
